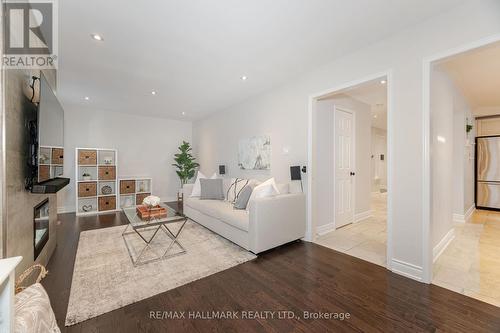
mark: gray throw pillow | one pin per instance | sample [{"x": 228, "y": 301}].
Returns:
[
  {"x": 242, "y": 201},
  {"x": 211, "y": 189}
]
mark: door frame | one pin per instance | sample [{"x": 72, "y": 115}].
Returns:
[
  {"x": 427, "y": 246},
  {"x": 353, "y": 192},
  {"x": 313, "y": 98}
]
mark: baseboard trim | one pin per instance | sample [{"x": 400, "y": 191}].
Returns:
[
  {"x": 459, "y": 218},
  {"x": 469, "y": 212},
  {"x": 362, "y": 216},
  {"x": 324, "y": 229},
  {"x": 406, "y": 269},
  {"x": 443, "y": 244}
]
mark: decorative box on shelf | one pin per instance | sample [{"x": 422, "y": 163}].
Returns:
[{"x": 146, "y": 212}]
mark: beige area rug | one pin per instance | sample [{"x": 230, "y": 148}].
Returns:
[{"x": 104, "y": 278}]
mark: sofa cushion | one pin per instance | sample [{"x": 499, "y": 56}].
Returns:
[
  {"x": 221, "y": 210},
  {"x": 197, "y": 186},
  {"x": 242, "y": 201},
  {"x": 33, "y": 312},
  {"x": 211, "y": 189}
]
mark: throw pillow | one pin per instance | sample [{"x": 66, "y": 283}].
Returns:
[
  {"x": 235, "y": 188},
  {"x": 211, "y": 189},
  {"x": 266, "y": 189},
  {"x": 197, "y": 187},
  {"x": 243, "y": 198}
]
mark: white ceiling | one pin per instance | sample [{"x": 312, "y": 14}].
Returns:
[
  {"x": 193, "y": 52},
  {"x": 477, "y": 75},
  {"x": 374, "y": 94}
]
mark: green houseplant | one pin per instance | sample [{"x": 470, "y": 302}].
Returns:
[{"x": 185, "y": 163}]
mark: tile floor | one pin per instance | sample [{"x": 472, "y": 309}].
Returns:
[
  {"x": 470, "y": 265},
  {"x": 366, "y": 239}
]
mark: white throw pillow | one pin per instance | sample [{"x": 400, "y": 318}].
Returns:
[
  {"x": 266, "y": 189},
  {"x": 197, "y": 186}
]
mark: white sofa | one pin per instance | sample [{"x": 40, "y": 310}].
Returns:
[{"x": 267, "y": 222}]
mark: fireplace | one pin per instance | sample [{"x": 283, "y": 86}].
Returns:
[{"x": 41, "y": 226}]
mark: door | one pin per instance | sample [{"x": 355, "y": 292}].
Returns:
[{"x": 344, "y": 167}]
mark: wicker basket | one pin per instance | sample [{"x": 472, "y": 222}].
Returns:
[{"x": 32, "y": 275}]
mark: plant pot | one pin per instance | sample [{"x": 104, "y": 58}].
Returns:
[{"x": 87, "y": 178}]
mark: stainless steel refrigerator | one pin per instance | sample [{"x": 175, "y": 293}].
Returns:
[{"x": 488, "y": 172}]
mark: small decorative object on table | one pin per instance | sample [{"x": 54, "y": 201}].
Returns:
[
  {"x": 150, "y": 208},
  {"x": 108, "y": 161},
  {"x": 86, "y": 176}
]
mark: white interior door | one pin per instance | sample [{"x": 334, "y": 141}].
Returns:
[{"x": 344, "y": 167}]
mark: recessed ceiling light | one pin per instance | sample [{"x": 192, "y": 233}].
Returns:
[
  {"x": 86, "y": 98},
  {"x": 244, "y": 78},
  {"x": 383, "y": 81},
  {"x": 375, "y": 116},
  {"x": 183, "y": 113},
  {"x": 153, "y": 92},
  {"x": 97, "y": 37}
]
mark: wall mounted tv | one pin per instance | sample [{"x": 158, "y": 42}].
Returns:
[{"x": 44, "y": 125}]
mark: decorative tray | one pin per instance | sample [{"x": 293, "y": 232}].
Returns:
[{"x": 146, "y": 213}]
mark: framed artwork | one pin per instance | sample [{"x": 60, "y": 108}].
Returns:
[{"x": 255, "y": 153}]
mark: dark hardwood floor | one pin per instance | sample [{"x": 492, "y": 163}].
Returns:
[{"x": 297, "y": 277}]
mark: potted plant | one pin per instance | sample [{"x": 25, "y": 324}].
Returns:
[
  {"x": 185, "y": 164},
  {"x": 86, "y": 176}
]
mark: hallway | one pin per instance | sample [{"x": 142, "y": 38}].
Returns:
[
  {"x": 366, "y": 239},
  {"x": 470, "y": 265}
]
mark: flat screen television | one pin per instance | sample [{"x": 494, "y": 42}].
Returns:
[{"x": 44, "y": 122}]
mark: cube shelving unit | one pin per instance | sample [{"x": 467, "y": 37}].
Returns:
[
  {"x": 133, "y": 190},
  {"x": 98, "y": 191},
  {"x": 50, "y": 162}
]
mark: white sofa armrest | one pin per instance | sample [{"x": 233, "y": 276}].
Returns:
[
  {"x": 276, "y": 220},
  {"x": 187, "y": 189}
]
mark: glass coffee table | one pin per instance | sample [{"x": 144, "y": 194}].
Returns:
[{"x": 147, "y": 230}]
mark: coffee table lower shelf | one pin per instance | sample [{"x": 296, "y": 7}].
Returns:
[{"x": 139, "y": 231}]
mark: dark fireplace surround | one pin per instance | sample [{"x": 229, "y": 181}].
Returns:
[{"x": 40, "y": 226}]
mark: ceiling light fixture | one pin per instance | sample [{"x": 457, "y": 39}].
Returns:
[
  {"x": 244, "y": 78},
  {"x": 183, "y": 113},
  {"x": 383, "y": 82},
  {"x": 86, "y": 98},
  {"x": 97, "y": 37},
  {"x": 153, "y": 92}
]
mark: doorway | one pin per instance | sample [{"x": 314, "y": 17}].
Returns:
[
  {"x": 464, "y": 109},
  {"x": 350, "y": 185}
]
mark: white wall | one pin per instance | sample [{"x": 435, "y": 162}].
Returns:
[
  {"x": 324, "y": 156},
  {"x": 452, "y": 163},
  {"x": 145, "y": 147},
  {"x": 283, "y": 113},
  {"x": 463, "y": 154},
  {"x": 379, "y": 167},
  {"x": 442, "y": 167}
]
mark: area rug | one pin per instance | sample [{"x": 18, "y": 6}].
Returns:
[{"x": 104, "y": 278}]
